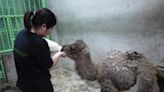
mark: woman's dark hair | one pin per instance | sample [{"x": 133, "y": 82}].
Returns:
[{"x": 41, "y": 16}]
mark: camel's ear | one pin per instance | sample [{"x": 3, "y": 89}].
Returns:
[
  {"x": 81, "y": 44},
  {"x": 85, "y": 50}
]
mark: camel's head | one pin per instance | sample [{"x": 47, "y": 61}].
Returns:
[{"x": 75, "y": 49}]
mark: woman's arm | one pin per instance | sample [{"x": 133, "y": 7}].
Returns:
[
  {"x": 55, "y": 58},
  {"x": 55, "y": 47}
]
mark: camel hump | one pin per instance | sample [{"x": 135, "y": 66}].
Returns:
[
  {"x": 114, "y": 54},
  {"x": 133, "y": 55}
]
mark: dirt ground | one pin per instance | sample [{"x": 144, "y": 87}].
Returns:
[{"x": 64, "y": 80}]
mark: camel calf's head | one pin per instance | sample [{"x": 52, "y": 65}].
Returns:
[{"x": 75, "y": 49}]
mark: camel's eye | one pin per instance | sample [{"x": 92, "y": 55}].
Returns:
[{"x": 73, "y": 47}]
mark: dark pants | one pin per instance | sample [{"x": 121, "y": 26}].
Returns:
[{"x": 35, "y": 85}]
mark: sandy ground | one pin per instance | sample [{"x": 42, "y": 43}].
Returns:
[{"x": 64, "y": 80}]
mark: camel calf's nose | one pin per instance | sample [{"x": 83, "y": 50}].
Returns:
[{"x": 63, "y": 48}]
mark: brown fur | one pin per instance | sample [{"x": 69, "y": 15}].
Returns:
[{"x": 118, "y": 72}]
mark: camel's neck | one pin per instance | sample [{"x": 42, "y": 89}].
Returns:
[{"x": 85, "y": 67}]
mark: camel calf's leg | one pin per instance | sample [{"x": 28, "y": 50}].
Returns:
[
  {"x": 108, "y": 86},
  {"x": 147, "y": 83}
]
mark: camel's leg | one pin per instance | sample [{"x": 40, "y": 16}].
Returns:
[
  {"x": 147, "y": 83},
  {"x": 108, "y": 86},
  {"x": 109, "y": 89}
]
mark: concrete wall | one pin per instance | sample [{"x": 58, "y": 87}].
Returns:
[
  {"x": 10, "y": 69},
  {"x": 112, "y": 25}
]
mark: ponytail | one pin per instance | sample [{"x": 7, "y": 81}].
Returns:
[{"x": 27, "y": 20}]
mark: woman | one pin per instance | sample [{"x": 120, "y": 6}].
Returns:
[{"x": 32, "y": 54}]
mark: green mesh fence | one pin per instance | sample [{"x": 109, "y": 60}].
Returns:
[
  {"x": 11, "y": 21},
  {"x": 2, "y": 73}
]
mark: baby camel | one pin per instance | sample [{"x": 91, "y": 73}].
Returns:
[{"x": 118, "y": 72}]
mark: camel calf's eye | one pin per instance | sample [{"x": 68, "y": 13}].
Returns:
[{"x": 73, "y": 47}]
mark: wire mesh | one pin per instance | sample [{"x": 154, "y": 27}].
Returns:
[
  {"x": 2, "y": 73},
  {"x": 11, "y": 15}
]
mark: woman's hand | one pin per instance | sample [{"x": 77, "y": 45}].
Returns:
[
  {"x": 63, "y": 54},
  {"x": 57, "y": 55}
]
